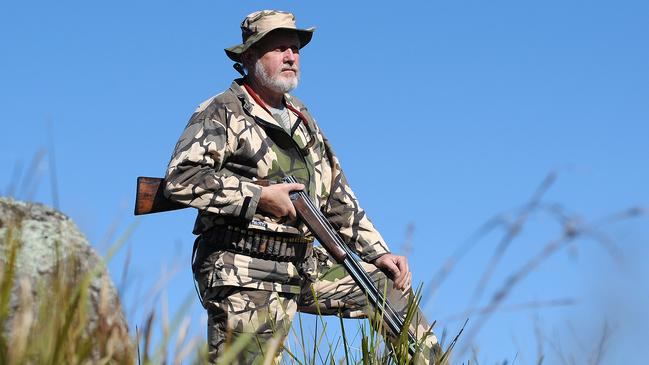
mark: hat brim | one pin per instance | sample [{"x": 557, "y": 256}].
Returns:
[{"x": 234, "y": 52}]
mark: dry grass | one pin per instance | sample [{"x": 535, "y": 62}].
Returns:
[
  {"x": 53, "y": 327},
  {"x": 573, "y": 229}
]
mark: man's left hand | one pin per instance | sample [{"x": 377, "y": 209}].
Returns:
[{"x": 397, "y": 268}]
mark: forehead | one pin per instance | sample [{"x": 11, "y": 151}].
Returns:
[{"x": 278, "y": 38}]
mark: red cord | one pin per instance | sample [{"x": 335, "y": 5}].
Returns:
[{"x": 258, "y": 100}]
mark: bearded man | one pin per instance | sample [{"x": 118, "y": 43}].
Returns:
[{"x": 255, "y": 130}]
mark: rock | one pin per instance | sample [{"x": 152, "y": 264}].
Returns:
[{"x": 53, "y": 257}]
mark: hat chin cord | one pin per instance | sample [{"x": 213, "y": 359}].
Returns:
[{"x": 239, "y": 67}]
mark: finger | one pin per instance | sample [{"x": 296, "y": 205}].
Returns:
[
  {"x": 403, "y": 280},
  {"x": 277, "y": 211},
  {"x": 294, "y": 187},
  {"x": 405, "y": 262},
  {"x": 402, "y": 263},
  {"x": 405, "y": 268},
  {"x": 292, "y": 215},
  {"x": 406, "y": 280},
  {"x": 409, "y": 281},
  {"x": 398, "y": 280},
  {"x": 391, "y": 268}
]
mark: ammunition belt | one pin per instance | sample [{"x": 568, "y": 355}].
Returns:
[{"x": 269, "y": 246}]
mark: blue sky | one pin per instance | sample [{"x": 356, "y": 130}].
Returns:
[{"x": 443, "y": 114}]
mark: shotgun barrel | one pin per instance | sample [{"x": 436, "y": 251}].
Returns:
[{"x": 334, "y": 244}]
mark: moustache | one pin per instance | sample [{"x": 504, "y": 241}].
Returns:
[{"x": 294, "y": 69}]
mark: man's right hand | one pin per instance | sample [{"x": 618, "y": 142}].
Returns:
[{"x": 274, "y": 200}]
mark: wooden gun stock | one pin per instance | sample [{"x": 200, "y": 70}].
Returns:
[{"x": 149, "y": 197}]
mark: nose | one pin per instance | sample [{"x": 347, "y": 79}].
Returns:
[{"x": 289, "y": 55}]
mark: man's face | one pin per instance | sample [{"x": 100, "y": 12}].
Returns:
[{"x": 278, "y": 63}]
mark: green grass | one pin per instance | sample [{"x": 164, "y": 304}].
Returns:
[{"x": 53, "y": 326}]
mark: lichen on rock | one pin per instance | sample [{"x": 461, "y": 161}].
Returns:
[{"x": 52, "y": 268}]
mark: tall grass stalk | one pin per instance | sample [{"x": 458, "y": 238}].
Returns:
[
  {"x": 50, "y": 322},
  {"x": 47, "y": 321}
]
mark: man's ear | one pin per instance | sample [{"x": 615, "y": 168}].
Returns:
[{"x": 248, "y": 58}]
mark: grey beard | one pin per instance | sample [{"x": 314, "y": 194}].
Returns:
[{"x": 277, "y": 83}]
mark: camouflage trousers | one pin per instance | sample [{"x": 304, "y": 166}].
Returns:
[{"x": 262, "y": 319}]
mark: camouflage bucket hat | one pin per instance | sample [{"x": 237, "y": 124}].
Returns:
[{"x": 256, "y": 25}]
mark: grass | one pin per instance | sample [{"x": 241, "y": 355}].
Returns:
[
  {"x": 50, "y": 324},
  {"x": 53, "y": 325}
]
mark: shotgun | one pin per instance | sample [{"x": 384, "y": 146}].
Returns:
[
  {"x": 325, "y": 233},
  {"x": 150, "y": 199}
]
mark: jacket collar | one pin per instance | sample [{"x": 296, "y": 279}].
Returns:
[{"x": 256, "y": 110}]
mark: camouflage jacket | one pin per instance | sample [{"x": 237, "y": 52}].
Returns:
[{"x": 231, "y": 141}]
